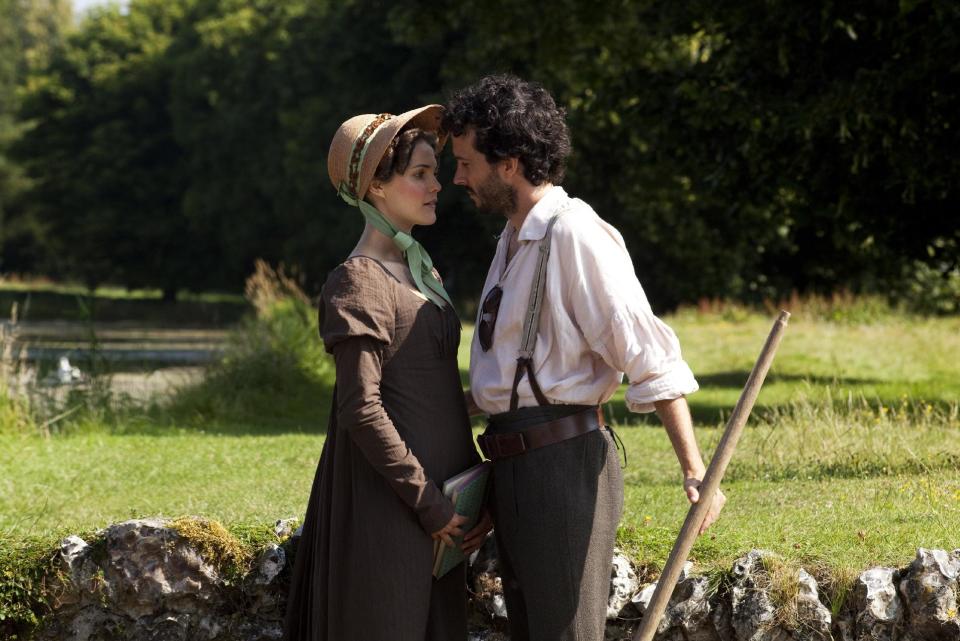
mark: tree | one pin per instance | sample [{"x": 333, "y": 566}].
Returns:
[
  {"x": 744, "y": 149},
  {"x": 30, "y": 34},
  {"x": 106, "y": 172}
]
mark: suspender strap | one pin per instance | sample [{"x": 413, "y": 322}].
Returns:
[{"x": 531, "y": 323}]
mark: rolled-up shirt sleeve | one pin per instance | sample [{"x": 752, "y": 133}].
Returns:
[{"x": 610, "y": 307}]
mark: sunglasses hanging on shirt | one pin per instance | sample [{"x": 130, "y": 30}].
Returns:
[{"x": 488, "y": 317}]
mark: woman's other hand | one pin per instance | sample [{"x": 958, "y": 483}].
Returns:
[{"x": 451, "y": 529}]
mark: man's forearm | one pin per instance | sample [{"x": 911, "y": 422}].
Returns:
[{"x": 676, "y": 419}]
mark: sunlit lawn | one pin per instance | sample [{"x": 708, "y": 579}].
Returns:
[{"x": 852, "y": 458}]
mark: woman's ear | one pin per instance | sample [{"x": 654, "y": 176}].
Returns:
[{"x": 376, "y": 188}]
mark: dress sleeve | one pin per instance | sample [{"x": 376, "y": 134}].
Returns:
[
  {"x": 612, "y": 310},
  {"x": 357, "y": 301},
  {"x": 358, "y": 338}
]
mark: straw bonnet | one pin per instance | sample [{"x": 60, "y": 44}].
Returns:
[{"x": 361, "y": 141}]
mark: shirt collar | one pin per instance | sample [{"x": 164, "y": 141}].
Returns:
[{"x": 535, "y": 224}]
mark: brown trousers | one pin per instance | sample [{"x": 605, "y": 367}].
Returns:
[{"x": 556, "y": 511}]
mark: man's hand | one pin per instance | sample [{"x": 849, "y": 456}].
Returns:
[
  {"x": 692, "y": 488},
  {"x": 472, "y": 408},
  {"x": 450, "y": 530},
  {"x": 475, "y": 537}
]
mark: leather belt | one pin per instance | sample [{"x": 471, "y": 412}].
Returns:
[{"x": 496, "y": 446}]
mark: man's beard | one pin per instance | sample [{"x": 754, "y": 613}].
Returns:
[{"x": 496, "y": 197}]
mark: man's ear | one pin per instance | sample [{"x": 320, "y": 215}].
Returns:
[{"x": 508, "y": 168}]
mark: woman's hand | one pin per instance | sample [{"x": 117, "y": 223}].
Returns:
[
  {"x": 475, "y": 537},
  {"x": 450, "y": 530}
]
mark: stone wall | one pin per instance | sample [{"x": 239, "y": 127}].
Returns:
[{"x": 144, "y": 580}]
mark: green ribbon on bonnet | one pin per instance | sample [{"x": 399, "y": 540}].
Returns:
[{"x": 421, "y": 266}]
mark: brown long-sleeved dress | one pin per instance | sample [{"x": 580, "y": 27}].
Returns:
[{"x": 397, "y": 429}]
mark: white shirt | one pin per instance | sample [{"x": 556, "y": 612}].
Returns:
[{"x": 595, "y": 326}]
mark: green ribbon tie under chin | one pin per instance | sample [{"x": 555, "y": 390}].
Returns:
[{"x": 421, "y": 266}]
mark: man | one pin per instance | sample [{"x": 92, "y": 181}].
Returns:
[{"x": 558, "y": 490}]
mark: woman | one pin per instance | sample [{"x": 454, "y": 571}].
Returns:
[{"x": 398, "y": 427}]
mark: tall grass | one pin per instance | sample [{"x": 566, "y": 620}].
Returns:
[
  {"x": 15, "y": 416},
  {"x": 274, "y": 374},
  {"x": 839, "y": 307},
  {"x": 822, "y": 437}
]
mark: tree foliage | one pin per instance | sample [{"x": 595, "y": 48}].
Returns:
[
  {"x": 31, "y": 32},
  {"x": 743, "y": 148}
]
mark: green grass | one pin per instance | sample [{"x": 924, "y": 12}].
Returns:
[
  {"x": 882, "y": 362},
  {"x": 85, "y": 481},
  {"x": 852, "y": 457},
  {"x": 846, "y": 521}
]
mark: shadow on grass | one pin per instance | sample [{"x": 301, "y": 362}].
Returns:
[
  {"x": 704, "y": 414},
  {"x": 738, "y": 378},
  {"x": 77, "y": 307},
  {"x": 842, "y": 395},
  {"x": 852, "y": 468}
]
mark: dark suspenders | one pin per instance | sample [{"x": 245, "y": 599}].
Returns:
[{"x": 531, "y": 323}]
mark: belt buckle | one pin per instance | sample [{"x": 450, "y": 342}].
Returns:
[
  {"x": 510, "y": 444},
  {"x": 496, "y": 446},
  {"x": 483, "y": 441}
]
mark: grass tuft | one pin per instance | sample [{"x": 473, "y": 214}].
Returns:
[
  {"x": 849, "y": 437},
  {"x": 275, "y": 355},
  {"x": 840, "y": 307},
  {"x": 25, "y": 589},
  {"x": 15, "y": 416},
  {"x": 216, "y": 544},
  {"x": 779, "y": 579}
]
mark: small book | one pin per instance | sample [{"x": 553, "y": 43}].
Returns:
[{"x": 467, "y": 490}]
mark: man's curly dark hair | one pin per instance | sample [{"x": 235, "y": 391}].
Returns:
[{"x": 513, "y": 118}]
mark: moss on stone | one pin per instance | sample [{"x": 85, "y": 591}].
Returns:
[
  {"x": 216, "y": 544},
  {"x": 24, "y": 565}
]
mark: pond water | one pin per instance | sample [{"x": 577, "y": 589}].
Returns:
[{"x": 136, "y": 359}]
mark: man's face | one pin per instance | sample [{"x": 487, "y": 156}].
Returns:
[{"x": 484, "y": 186}]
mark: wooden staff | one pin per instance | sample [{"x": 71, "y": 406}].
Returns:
[{"x": 711, "y": 481}]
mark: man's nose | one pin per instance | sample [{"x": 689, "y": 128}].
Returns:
[{"x": 459, "y": 179}]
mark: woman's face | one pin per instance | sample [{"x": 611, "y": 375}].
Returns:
[{"x": 410, "y": 198}]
